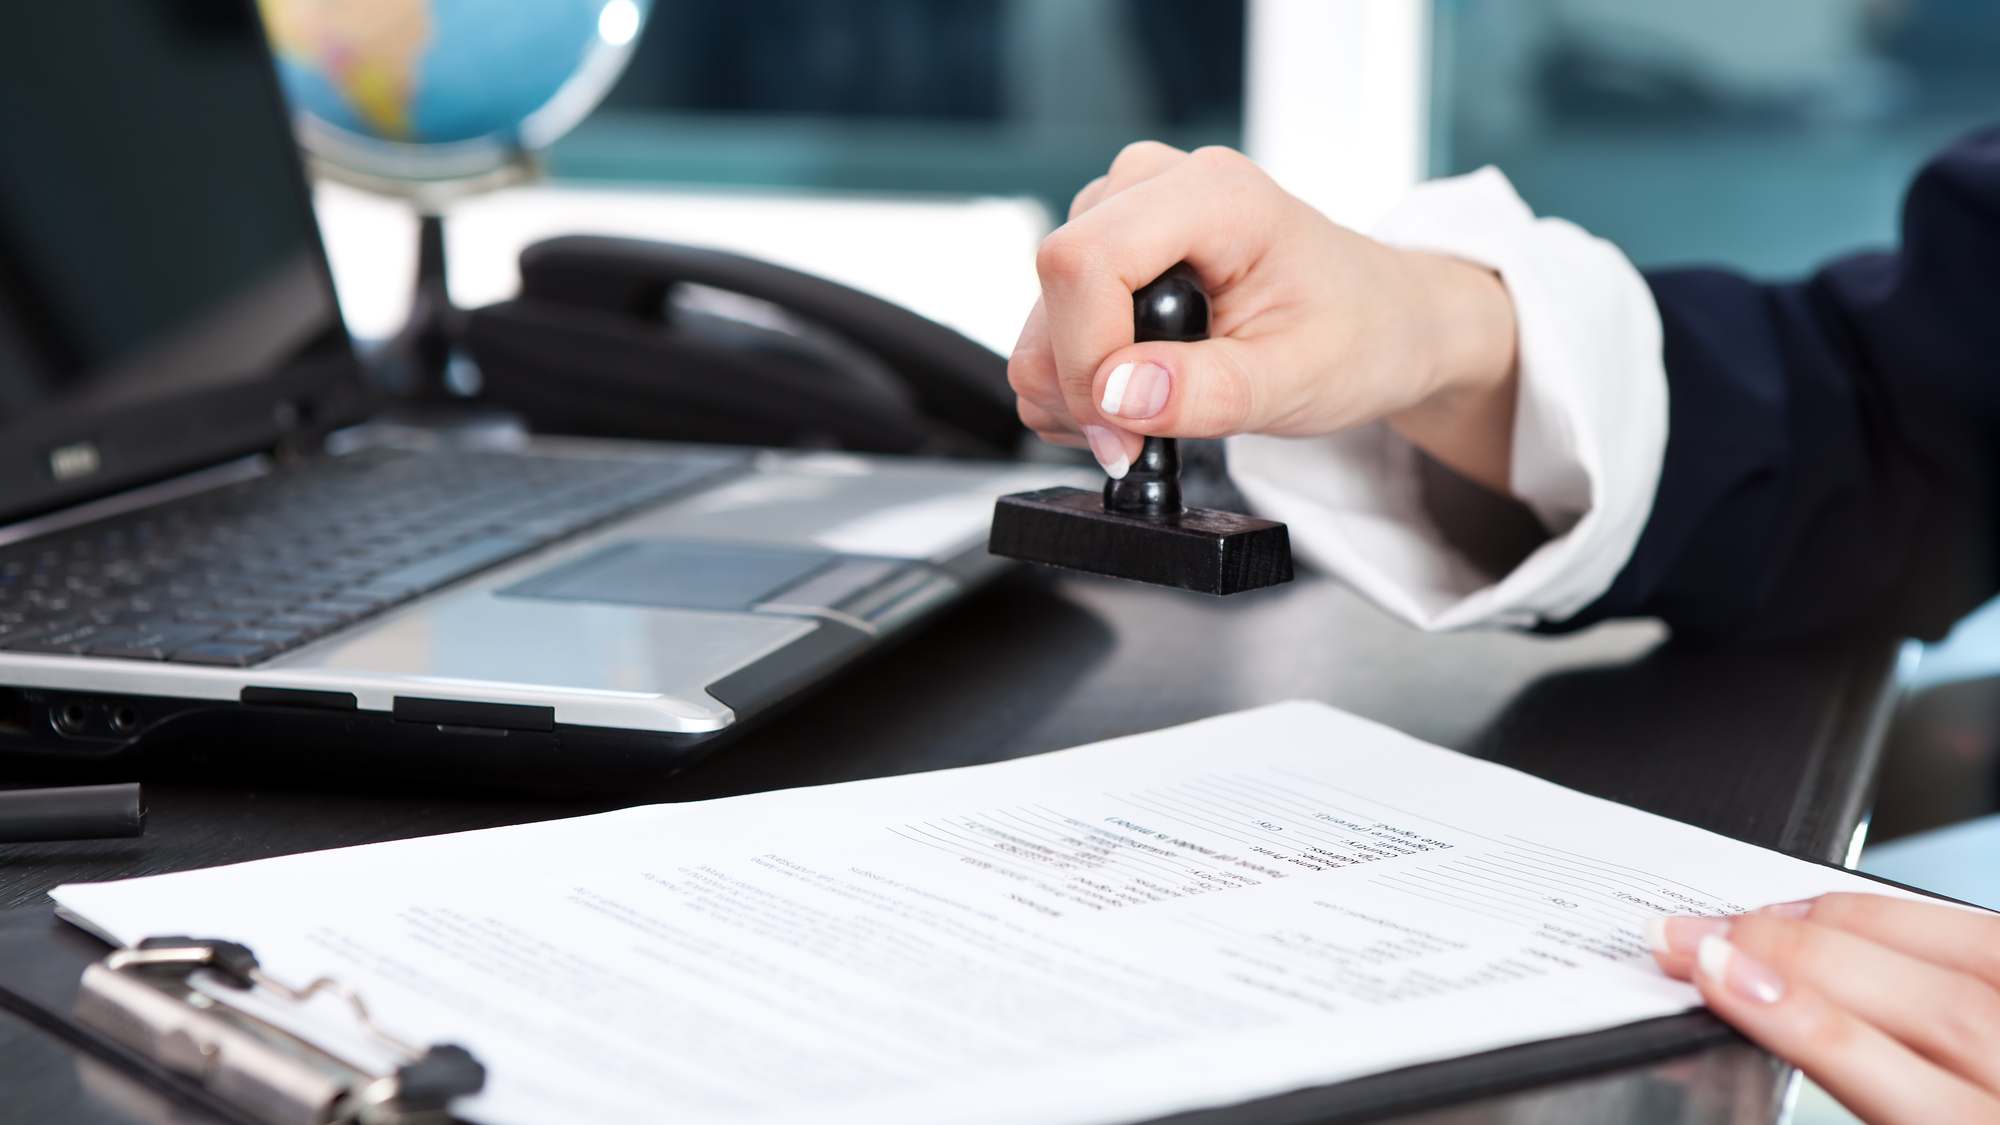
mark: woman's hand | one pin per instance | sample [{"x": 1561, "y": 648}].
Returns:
[
  {"x": 1313, "y": 327},
  {"x": 1893, "y": 1006}
]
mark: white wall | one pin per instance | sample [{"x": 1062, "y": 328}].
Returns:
[
  {"x": 1336, "y": 100},
  {"x": 966, "y": 263}
]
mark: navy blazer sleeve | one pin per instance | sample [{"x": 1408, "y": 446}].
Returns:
[{"x": 1832, "y": 443}]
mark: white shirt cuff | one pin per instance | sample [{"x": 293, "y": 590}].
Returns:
[{"x": 1590, "y": 429}]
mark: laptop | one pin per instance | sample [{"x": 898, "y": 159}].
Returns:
[{"x": 203, "y": 542}]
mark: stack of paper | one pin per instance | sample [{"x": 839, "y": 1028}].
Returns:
[{"x": 1233, "y": 908}]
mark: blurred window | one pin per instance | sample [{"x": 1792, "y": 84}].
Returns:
[
  {"x": 974, "y": 96},
  {"x": 1768, "y": 135}
]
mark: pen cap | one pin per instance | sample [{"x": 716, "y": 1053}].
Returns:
[{"x": 77, "y": 812}]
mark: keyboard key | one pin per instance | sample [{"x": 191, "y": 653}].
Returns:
[
  {"x": 340, "y": 568},
  {"x": 220, "y": 616},
  {"x": 283, "y": 638},
  {"x": 106, "y": 612},
  {"x": 72, "y": 640},
  {"x": 10, "y": 632},
  {"x": 136, "y": 619},
  {"x": 378, "y": 596},
  {"x": 542, "y": 530},
  {"x": 218, "y": 652},
  {"x": 349, "y": 605},
  {"x": 300, "y": 593},
  {"x": 255, "y": 604},
  {"x": 148, "y": 644},
  {"x": 304, "y": 624},
  {"x": 437, "y": 570}
]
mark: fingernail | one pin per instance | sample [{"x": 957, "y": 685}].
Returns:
[
  {"x": 1678, "y": 935},
  {"x": 1109, "y": 451},
  {"x": 1136, "y": 390},
  {"x": 1789, "y": 909},
  {"x": 1738, "y": 971}
]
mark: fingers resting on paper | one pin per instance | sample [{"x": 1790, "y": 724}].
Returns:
[{"x": 1892, "y": 1006}]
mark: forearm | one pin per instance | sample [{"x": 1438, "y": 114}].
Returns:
[{"x": 1463, "y": 340}]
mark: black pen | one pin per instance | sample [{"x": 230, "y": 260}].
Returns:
[{"x": 73, "y": 812}]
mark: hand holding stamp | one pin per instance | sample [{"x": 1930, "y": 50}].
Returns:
[{"x": 1138, "y": 528}]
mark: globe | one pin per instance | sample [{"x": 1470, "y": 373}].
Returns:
[{"x": 421, "y": 91}]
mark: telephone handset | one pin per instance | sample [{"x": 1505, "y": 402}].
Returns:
[{"x": 626, "y": 338}]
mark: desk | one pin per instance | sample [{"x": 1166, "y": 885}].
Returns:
[{"x": 1775, "y": 747}]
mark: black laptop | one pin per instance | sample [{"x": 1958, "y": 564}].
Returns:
[{"x": 202, "y": 538}]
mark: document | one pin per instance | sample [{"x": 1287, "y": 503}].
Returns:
[{"x": 1225, "y": 910}]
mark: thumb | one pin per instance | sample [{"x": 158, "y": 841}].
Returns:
[{"x": 1169, "y": 389}]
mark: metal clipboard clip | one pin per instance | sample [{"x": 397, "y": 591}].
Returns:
[{"x": 152, "y": 999}]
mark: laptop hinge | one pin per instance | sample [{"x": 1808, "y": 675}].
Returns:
[{"x": 201, "y": 480}]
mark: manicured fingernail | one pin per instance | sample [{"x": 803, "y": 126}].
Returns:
[
  {"x": 1679, "y": 935},
  {"x": 1114, "y": 388},
  {"x": 1789, "y": 909},
  {"x": 1136, "y": 390},
  {"x": 1109, "y": 451},
  {"x": 1738, "y": 971}
]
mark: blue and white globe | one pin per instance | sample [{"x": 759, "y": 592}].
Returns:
[{"x": 428, "y": 90}]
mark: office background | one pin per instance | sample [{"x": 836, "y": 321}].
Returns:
[{"x": 1763, "y": 134}]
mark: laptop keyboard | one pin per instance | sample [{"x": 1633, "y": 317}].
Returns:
[{"x": 240, "y": 574}]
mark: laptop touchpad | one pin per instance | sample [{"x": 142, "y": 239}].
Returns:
[{"x": 676, "y": 574}]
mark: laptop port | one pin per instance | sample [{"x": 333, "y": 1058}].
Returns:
[
  {"x": 72, "y": 715},
  {"x": 125, "y": 720}
]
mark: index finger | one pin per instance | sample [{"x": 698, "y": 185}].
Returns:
[
  {"x": 1966, "y": 940},
  {"x": 1136, "y": 162},
  {"x": 1881, "y": 1078},
  {"x": 1092, "y": 265}
]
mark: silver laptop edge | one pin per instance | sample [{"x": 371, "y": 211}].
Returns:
[{"x": 607, "y": 665}]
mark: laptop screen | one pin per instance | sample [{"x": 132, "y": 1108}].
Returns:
[{"x": 164, "y": 300}]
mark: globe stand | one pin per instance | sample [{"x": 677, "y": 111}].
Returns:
[
  {"x": 422, "y": 369},
  {"x": 415, "y": 365}
]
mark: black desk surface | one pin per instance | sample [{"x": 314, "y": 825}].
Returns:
[{"x": 1774, "y": 747}]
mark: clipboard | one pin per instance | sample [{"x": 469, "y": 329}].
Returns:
[
  {"x": 188, "y": 1017},
  {"x": 43, "y": 963},
  {"x": 43, "y": 960}
]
